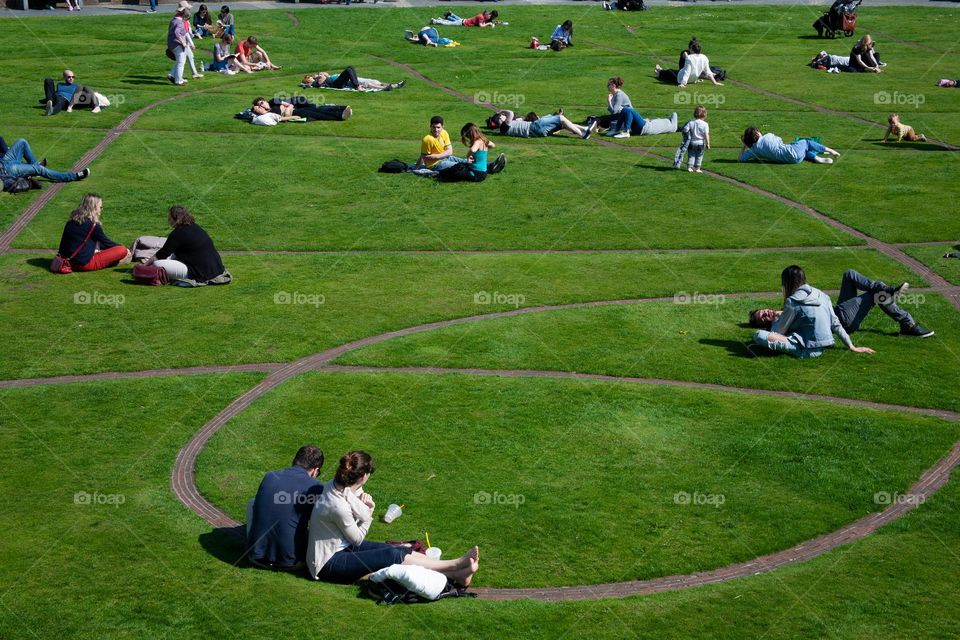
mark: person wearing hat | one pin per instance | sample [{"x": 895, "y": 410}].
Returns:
[
  {"x": 178, "y": 43},
  {"x": 186, "y": 8}
]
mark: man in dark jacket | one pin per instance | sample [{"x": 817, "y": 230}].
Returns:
[{"x": 277, "y": 517}]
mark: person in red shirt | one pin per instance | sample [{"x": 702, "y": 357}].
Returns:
[
  {"x": 485, "y": 19},
  {"x": 252, "y": 55}
]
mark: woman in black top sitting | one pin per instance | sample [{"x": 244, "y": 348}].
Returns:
[
  {"x": 83, "y": 241},
  {"x": 188, "y": 252},
  {"x": 864, "y": 57}
]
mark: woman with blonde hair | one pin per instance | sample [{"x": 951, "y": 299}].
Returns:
[
  {"x": 83, "y": 241},
  {"x": 864, "y": 57}
]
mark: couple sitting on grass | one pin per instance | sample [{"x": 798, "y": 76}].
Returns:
[
  {"x": 809, "y": 319},
  {"x": 436, "y": 154},
  {"x": 296, "y": 519}
]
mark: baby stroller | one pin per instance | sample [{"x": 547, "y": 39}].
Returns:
[{"x": 840, "y": 18}]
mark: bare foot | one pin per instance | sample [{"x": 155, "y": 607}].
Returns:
[{"x": 464, "y": 577}]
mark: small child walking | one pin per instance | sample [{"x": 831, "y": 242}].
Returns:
[
  {"x": 696, "y": 138},
  {"x": 902, "y": 131}
]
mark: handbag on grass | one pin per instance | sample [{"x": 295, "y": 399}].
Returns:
[
  {"x": 62, "y": 265},
  {"x": 150, "y": 275}
]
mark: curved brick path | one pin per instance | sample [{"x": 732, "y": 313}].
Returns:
[
  {"x": 182, "y": 476},
  {"x": 184, "y": 487}
]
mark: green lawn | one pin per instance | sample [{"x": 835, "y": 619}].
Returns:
[{"x": 591, "y": 469}]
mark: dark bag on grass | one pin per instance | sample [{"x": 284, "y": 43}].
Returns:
[
  {"x": 392, "y": 592},
  {"x": 719, "y": 73},
  {"x": 16, "y": 185},
  {"x": 393, "y": 166},
  {"x": 461, "y": 172},
  {"x": 150, "y": 274}
]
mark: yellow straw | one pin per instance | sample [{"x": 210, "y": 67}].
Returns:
[
  {"x": 402, "y": 506},
  {"x": 427, "y": 535}
]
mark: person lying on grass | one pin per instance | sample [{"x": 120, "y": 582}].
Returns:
[
  {"x": 337, "y": 550},
  {"x": 18, "y": 161},
  {"x": 767, "y": 147},
  {"x": 808, "y": 321},
  {"x": 347, "y": 79},
  {"x": 901, "y": 131},
  {"x": 853, "y": 307},
  {"x": 278, "y": 516},
  {"x": 274, "y": 111},
  {"x": 429, "y": 37},
  {"x": 533, "y": 126},
  {"x": 450, "y": 19}
]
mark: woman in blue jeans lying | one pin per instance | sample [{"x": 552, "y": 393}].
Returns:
[
  {"x": 767, "y": 147},
  {"x": 337, "y": 551}
]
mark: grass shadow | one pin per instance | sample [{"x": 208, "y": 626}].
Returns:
[
  {"x": 918, "y": 146},
  {"x": 144, "y": 79},
  {"x": 655, "y": 167},
  {"x": 226, "y": 544}
]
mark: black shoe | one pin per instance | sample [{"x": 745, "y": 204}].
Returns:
[
  {"x": 43, "y": 162},
  {"x": 915, "y": 331},
  {"x": 84, "y": 174},
  {"x": 446, "y": 16},
  {"x": 498, "y": 165}
]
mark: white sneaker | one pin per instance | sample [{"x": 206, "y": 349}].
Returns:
[{"x": 622, "y": 134}]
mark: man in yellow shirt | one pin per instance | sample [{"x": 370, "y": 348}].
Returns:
[{"x": 436, "y": 151}]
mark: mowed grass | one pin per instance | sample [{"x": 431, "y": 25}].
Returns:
[
  {"x": 589, "y": 479},
  {"x": 598, "y": 464}
]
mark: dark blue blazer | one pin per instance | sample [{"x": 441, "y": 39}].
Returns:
[{"x": 281, "y": 512}]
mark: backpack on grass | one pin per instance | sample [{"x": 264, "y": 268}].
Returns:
[{"x": 393, "y": 166}]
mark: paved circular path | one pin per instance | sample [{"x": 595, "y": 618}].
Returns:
[{"x": 182, "y": 477}]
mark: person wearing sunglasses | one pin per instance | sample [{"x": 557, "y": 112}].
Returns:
[{"x": 64, "y": 96}]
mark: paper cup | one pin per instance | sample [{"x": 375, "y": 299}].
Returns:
[
  {"x": 434, "y": 553},
  {"x": 393, "y": 512}
]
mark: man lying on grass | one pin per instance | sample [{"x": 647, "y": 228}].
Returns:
[
  {"x": 807, "y": 323},
  {"x": 852, "y": 306},
  {"x": 767, "y": 147},
  {"x": 535, "y": 127}
]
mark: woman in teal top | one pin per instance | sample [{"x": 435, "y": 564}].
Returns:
[{"x": 478, "y": 144}]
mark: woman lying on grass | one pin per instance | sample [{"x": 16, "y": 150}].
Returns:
[
  {"x": 768, "y": 147},
  {"x": 337, "y": 551},
  {"x": 347, "y": 79}
]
